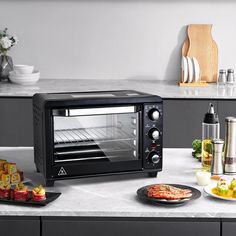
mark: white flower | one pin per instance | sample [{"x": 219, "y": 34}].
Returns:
[{"x": 5, "y": 42}]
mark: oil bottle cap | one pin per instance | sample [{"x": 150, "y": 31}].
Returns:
[{"x": 211, "y": 117}]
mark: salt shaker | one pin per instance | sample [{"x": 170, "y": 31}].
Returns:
[
  {"x": 217, "y": 158},
  {"x": 222, "y": 77},
  {"x": 230, "y": 76}
]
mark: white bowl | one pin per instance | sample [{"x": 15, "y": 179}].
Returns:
[
  {"x": 23, "y": 76},
  {"x": 23, "y": 69},
  {"x": 24, "y": 82},
  {"x": 24, "y": 79}
]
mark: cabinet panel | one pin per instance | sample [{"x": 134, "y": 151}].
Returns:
[
  {"x": 16, "y": 122},
  {"x": 27, "y": 226},
  {"x": 183, "y": 121},
  {"x": 77, "y": 227},
  {"x": 225, "y": 108},
  {"x": 228, "y": 228}
]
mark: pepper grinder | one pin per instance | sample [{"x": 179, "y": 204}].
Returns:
[
  {"x": 230, "y": 145},
  {"x": 217, "y": 158}
]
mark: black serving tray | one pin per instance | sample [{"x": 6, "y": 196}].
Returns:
[
  {"x": 142, "y": 195},
  {"x": 50, "y": 196}
]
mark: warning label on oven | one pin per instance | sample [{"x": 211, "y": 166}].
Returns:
[{"x": 62, "y": 171}]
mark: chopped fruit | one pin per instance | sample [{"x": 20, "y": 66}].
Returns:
[
  {"x": 2, "y": 172},
  {"x": 233, "y": 183},
  {"x": 38, "y": 194},
  {"x": 5, "y": 191},
  {"x": 15, "y": 178},
  {"x": 9, "y": 173},
  {"x": 21, "y": 192},
  {"x": 2, "y": 162},
  {"x": 6, "y": 179},
  {"x": 222, "y": 187},
  {"x": 234, "y": 192},
  {"x": 11, "y": 168},
  {"x": 21, "y": 187}
]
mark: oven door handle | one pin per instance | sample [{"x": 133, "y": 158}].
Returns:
[{"x": 94, "y": 111}]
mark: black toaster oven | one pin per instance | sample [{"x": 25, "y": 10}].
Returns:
[{"x": 97, "y": 133}]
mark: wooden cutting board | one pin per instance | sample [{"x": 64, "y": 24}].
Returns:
[{"x": 201, "y": 45}]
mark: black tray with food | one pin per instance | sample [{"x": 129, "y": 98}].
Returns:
[
  {"x": 50, "y": 196},
  {"x": 168, "y": 194}
]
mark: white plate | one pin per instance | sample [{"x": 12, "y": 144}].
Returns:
[
  {"x": 184, "y": 66},
  {"x": 208, "y": 188},
  {"x": 190, "y": 69},
  {"x": 196, "y": 68}
]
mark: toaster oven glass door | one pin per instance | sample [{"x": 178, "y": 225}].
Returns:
[{"x": 109, "y": 134}]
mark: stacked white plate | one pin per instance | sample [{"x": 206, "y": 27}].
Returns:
[
  {"x": 24, "y": 74},
  {"x": 190, "y": 69}
]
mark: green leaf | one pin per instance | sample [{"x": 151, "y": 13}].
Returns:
[{"x": 197, "y": 145}]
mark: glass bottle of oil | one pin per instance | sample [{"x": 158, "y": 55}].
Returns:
[{"x": 210, "y": 131}]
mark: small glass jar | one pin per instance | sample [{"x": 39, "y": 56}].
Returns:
[
  {"x": 222, "y": 77},
  {"x": 203, "y": 178},
  {"x": 230, "y": 76}
]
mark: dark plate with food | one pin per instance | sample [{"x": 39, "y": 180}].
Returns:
[
  {"x": 49, "y": 197},
  {"x": 168, "y": 194}
]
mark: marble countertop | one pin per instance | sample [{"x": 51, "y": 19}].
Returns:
[
  {"x": 165, "y": 89},
  {"x": 115, "y": 196}
]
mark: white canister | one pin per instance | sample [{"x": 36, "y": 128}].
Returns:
[{"x": 203, "y": 178}]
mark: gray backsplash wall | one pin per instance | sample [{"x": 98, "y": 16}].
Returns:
[{"x": 113, "y": 39}]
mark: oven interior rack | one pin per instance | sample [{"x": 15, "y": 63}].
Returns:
[{"x": 89, "y": 135}]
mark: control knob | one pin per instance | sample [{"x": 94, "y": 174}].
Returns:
[
  {"x": 153, "y": 158},
  {"x": 154, "y": 114},
  {"x": 154, "y": 134}
]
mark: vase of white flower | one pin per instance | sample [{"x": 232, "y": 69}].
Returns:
[{"x": 6, "y": 64}]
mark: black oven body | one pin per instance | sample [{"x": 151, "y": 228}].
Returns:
[{"x": 97, "y": 133}]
